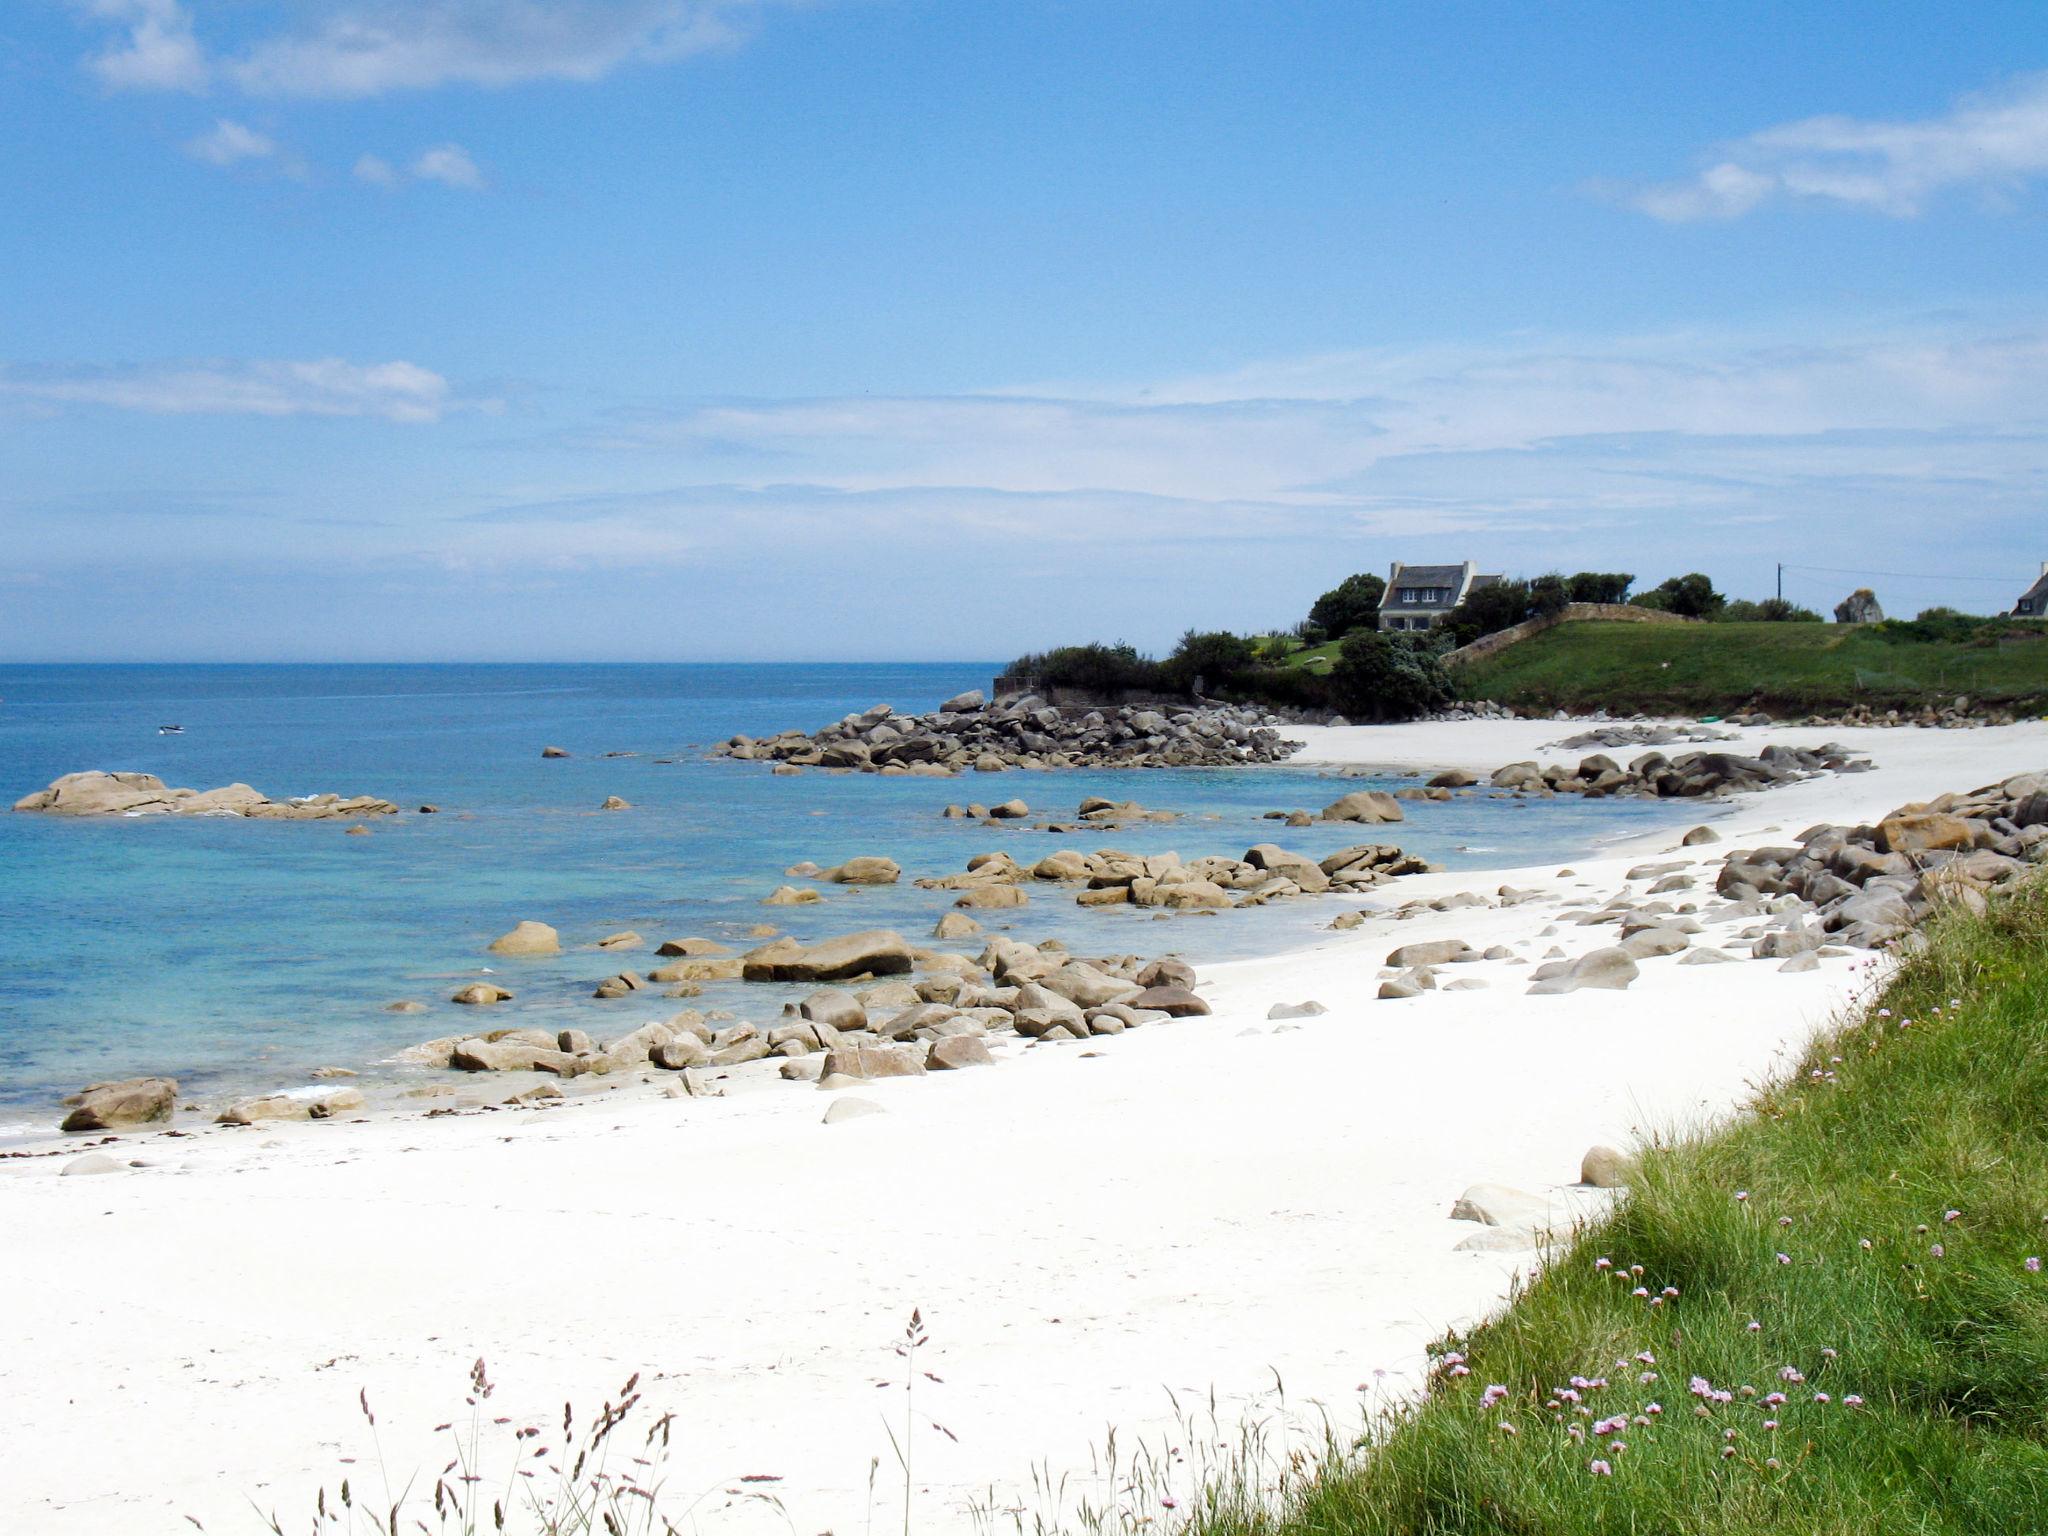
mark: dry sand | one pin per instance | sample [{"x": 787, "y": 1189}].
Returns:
[{"x": 1216, "y": 1205}]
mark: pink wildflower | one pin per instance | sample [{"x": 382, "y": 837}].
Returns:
[{"x": 1599, "y": 1468}]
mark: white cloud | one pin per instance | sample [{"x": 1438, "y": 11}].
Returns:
[
  {"x": 230, "y": 143},
  {"x": 451, "y": 165},
  {"x": 1994, "y": 142},
  {"x": 348, "y": 49},
  {"x": 158, "y": 51},
  {"x": 377, "y": 171},
  {"x": 394, "y": 391},
  {"x": 1321, "y": 430}
]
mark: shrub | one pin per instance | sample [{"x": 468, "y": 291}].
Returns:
[
  {"x": 1772, "y": 610},
  {"x": 1097, "y": 669},
  {"x": 1387, "y": 677},
  {"x": 1204, "y": 659}
]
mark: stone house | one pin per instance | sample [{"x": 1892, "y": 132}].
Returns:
[
  {"x": 2034, "y": 603},
  {"x": 1422, "y": 596}
]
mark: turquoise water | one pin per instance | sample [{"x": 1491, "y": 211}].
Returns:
[{"x": 229, "y": 953}]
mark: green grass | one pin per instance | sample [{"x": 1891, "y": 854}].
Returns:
[
  {"x": 1315, "y": 658},
  {"x": 1852, "y": 1168},
  {"x": 1718, "y": 668}
]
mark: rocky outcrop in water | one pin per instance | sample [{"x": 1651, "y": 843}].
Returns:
[
  {"x": 1026, "y": 733},
  {"x": 1110, "y": 877},
  {"x": 144, "y": 794}
]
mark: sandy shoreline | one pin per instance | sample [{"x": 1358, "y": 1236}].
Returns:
[{"x": 1186, "y": 1207}]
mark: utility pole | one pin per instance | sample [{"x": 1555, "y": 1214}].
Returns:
[{"x": 1781, "y": 581}]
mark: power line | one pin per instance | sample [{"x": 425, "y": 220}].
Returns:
[{"x": 1836, "y": 570}]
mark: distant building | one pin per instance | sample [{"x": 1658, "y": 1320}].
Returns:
[
  {"x": 1422, "y": 596},
  {"x": 2031, "y": 606}
]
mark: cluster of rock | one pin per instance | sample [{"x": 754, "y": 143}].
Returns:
[
  {"x": 897, "y": 1011},
  {"x": 1867, "y": 886},
  {"x": 1957, "y": 714},
  {"x": 967, "y": 732},
  {"x": 1611, "y": 737},
  {"x": 144, "y": 794},
  {"x": 1112, "y": 877},
  {"x": 1093, "y": 812},
  {"x": 1690, "y": 775},
  {"x": 1476, "y": 709}
]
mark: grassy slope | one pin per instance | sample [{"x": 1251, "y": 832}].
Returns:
[
  {"x": 1851, "y": 1168},
  {"x": 1703, "y": 668}
]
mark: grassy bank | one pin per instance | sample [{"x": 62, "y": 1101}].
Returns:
[
  {"x": 1824, "y": 1318},
  {"x": 1717, "y": 668}
]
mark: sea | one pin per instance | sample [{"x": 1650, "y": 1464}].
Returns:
[{"x": 237, "y": 956}]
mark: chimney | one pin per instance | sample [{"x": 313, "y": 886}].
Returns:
[{"x": 2044, "y": 567}]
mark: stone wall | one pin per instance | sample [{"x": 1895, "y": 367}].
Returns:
[{"x": 1613, "y": 613}]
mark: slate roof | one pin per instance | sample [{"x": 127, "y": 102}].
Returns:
[
  {"x": 1452, "y": 576},
  {"x": 2034, "y": 594}
]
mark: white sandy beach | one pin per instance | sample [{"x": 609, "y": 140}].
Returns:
[{"x": 1208, "y": 1205}]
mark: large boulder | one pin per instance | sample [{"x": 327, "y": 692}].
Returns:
[
  {"x": 100, "y": 794},
  {"x": 1304, "y": 872},
  {"x": 515, "y": 1056},
  {"x": 867, "y": 1062},
  {"x": 320, "y": 1105},
  {"x": 478, "y": 993},
  {"x": 1610, "y": 969},
  {"x": 1433, "y": 952},
  {"x": 1175, "y": 1002},
  {"x": 1499, "y": 1205},
  {"x": 956, "y": 1052},
  {"x": 840, "y": 1010},
  {"x": 114, "y": 1106},
  {"x": 1365, "y": 805},
  {"x": 528, "y": 938},
  {"x": 1912, "y": 832},
  {"x": 964, "y": 703},
  {"x": 876, "y": 952},
  {"x": 1087, "y": 987},
  {"x": 991, "y": 897},
  {"x": 870, "y": 869}
]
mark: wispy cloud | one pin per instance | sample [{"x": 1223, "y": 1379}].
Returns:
[
  {"x": 1994, "y": 142},
  {"x": 156, "y": 49},
  {"x": 376, "y": 171},
  {"x": 394, "y": 391},
  {"x": 229, "y": 143},
  {"x": 1294, "y": 430},
  {"x": 450, "y": 165},
  {"x": 348, "y": 49}
]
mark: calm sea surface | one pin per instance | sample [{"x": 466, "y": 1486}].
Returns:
[{"x": 235, "y": 954}]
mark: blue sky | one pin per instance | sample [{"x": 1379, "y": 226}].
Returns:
[{"x": 681, "y": 329}]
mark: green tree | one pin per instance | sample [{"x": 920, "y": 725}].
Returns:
[
  {"x": 1692, "y": 595},
  {"x": 1207, "y": 660},
  {"x": 1485, "y": 610},
  {"x": 1354, "y": 603},
  {"x": 1600, "y": 586},
  {"x": 1387, "y": 677},
  {"x": 1548, "y": 596}
]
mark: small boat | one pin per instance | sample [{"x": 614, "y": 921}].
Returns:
[{"x": 170, "y": 730}]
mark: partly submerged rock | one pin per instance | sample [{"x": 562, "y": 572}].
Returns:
[{"x": 528, "y": 938}]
